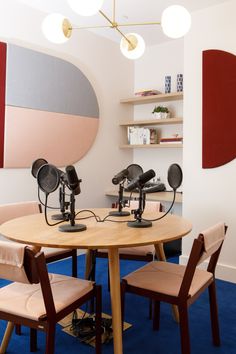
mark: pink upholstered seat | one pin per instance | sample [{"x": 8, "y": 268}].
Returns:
[
  {"x": 181, "y": 285},
  {"x": 38, "y": 299}
]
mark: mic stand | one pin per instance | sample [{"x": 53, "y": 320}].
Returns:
[
  {"x": 139, "y": 222},
  {"x": 63, "y": 206},
  {"x": 120, "y": 212},
  {"x": 73, "y": 227}
]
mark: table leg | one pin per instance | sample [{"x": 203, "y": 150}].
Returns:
[
  {"x": 162, "y": 257},
  {"x": 114, "y": 272},
  {"x": 88, "y": 263},
  {"x": 6, "y": 338}
]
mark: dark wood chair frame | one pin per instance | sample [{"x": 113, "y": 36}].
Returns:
[
  {"x": 183, "y": 300},
  {"x": 57, "y": 257},
  {"x": 36, "y": 270}
]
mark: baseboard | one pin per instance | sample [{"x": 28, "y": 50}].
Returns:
[{"x": 223, "y": 271}]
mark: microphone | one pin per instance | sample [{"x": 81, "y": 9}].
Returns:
[
  {"x": 120, "y": 176},
  {"x": 72, "y": 178},
  {"x": 141, "y": 180}
]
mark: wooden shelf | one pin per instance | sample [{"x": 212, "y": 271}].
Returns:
[
  {"x": 151, "y": 146},
  {"x": 159, "y": 196},
  {"x": 154, "y": 98},
  {"x": 153, "y": 122}
]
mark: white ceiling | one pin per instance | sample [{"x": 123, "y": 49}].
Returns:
[{"x": 126, "y": 11}]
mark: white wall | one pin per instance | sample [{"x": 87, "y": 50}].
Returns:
[
  {"x": 150, "y": 71},
  {"x": 209, "y": 194},
  {"x": 112, "y": 78}
]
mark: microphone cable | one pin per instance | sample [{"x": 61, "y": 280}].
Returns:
[{"x": 171, "y": 206}]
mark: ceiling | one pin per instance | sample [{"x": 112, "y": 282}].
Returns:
[{"x": 126, "y": 11}]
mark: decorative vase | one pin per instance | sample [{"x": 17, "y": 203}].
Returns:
[
  {"x": 179, "y": 82},
  {"x": 157, "y": 115},
  {"x": 167, "y": 84}
]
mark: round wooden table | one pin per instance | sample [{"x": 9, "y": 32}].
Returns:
[{"x": 110, "y": 235}]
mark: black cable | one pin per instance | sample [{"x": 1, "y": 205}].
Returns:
[
  {"x": 165, "y": 213},
  {"x": 41, "y": 202},
  {"x": 97, "y": 217},
  {"x": 45, "y": 213}
]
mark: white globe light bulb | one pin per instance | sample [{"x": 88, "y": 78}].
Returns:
[
  {"x": 175, "y": 21},
  {"x": 134, "y": 48},
  {"x": 56, "y": 28},
  {"x": 86, "y": 7}
]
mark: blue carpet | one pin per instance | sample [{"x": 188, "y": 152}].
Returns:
[{"x": 140, "y": 338}]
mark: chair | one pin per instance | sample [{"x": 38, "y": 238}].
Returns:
[
  {"x": 141, "y": 253},
  {"x": 181, "y": 285},
  {"x": 42, "y": 299},
  {"x": 14, "y": 210}
]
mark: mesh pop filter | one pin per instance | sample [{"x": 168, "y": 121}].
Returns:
[
  {"x": 36, "y": 166},
  {"x": 175, "y": 176},
  {"x": 134, "y": 171},
  {"x": 48, "y": 178}
]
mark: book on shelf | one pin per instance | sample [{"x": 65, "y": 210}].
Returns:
[
  {"x": 147, "y": 92},
  {"x": 171, "y": 140},
  {"x": 141, "y": 136}
]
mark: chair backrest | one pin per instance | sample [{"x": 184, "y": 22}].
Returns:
[
  {"x": 151, "y": 206},
  {"x": 15, "y": 210},
  {"x": 20, "y": 263},
  {"x": 208, "y": 244},
  {"x": 14, "y": 264}
]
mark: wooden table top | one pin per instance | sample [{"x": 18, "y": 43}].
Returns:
[{"x": 32, "y": 229}]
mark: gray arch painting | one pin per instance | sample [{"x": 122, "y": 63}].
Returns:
[{"x": 51, "y": 110}]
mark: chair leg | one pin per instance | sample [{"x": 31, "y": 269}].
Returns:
[
  {"x": 50, "y": 338},
  {"x": 6, "y": 337},
  {"x": 214, "y": 314},
  {"x": 98, "y": 340},
  {"x": 33, "y": 340},
  {"x": 184, "y": 329},
  {"x": 74, "y": 263},
  {"x": 156, "y": 316},
  {"x": 150, "y": 309},
  {"x": 18, "y": 329}
]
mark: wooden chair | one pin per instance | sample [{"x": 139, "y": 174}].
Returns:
[
  {"x": 144, "y": 253},
  {"x": 42, "y": 299},
  {"x": 181, "y": 285},
  {"x": 15, "y": 210},
  {"x": 141, "y": 253}
]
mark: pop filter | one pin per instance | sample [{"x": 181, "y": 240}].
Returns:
[
  {"x": 36, "y": 166},
  {"x": 48, "y": 178},
  {"x": 134, "y": 171},
  {"x": 175, "y": 176}
]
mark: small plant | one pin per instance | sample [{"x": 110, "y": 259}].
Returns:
[{"x": 162, "y": 109}]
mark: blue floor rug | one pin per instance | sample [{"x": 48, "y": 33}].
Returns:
[{"x": 140, "y": 338}]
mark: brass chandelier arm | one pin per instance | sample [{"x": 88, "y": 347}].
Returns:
[
  {"x": 124, "y": 36},
  {"x": 115, "y": 26},
  {"x": 138, "y": 24},
  {"x": 91, "y": 27}
]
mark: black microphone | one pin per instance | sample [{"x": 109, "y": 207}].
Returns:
[
  {"x": 120, "y": 176},
  {"x": 140, "y": 181},
  {"x": 72, "y": 178}
]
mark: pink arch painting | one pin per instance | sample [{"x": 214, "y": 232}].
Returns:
[
  {"x": 48, "y": 109},
  {"x": 219, "y": 114}
]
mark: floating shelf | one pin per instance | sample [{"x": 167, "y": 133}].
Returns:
[
  {"x": 151, "y": 146},
  {"x": 148, "y": 122},
  {"x": 154, "y": 98}
]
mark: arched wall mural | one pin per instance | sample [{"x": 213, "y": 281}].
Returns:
[
  {"x": 218, "y": 111},
  {"x": 48, "y": 109}
]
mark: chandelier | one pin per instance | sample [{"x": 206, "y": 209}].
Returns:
[{"x": 175, "y": 23}]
